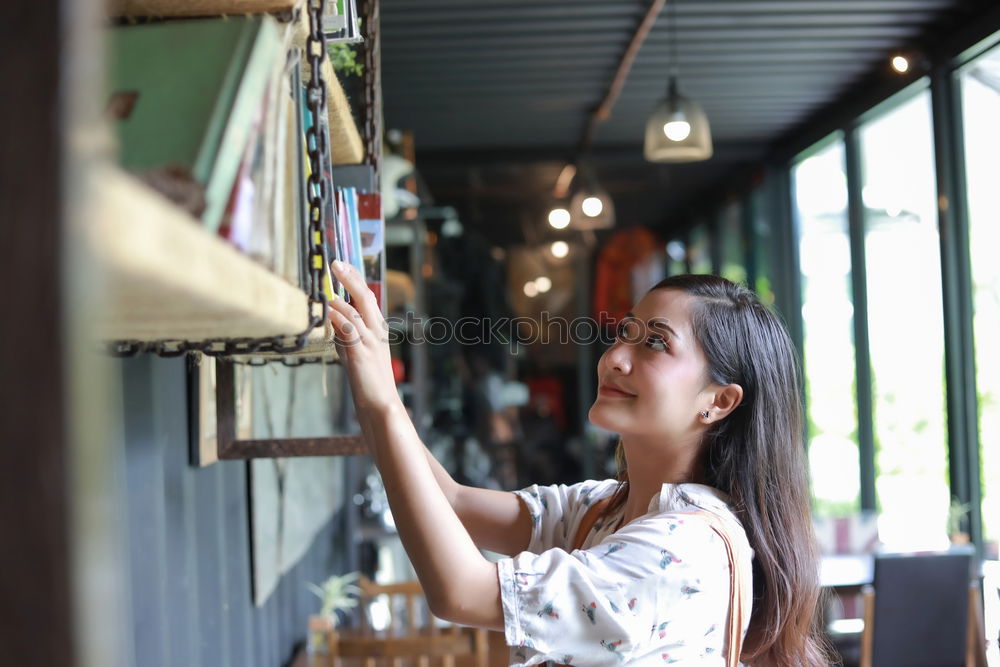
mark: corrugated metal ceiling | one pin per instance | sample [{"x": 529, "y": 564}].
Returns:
[{"x": 476, "y": 79}]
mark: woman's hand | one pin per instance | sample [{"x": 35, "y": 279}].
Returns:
[{"x": 362, "y": 340}]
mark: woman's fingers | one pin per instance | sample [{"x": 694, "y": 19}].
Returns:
[
  {"x": 362, "y": 297},
  {"x": 362, "y": 345},
  {"x": 346, "y": 322}
]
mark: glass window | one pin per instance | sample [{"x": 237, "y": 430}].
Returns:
[
  {"x": 819, "y": 189},
  {"x": 981, "y": 103},
  {"x": 699, "y": 249},
  {"x": 731, "y": 240},
  {"x": 762, "y": 248},
  {"x": 676, "y": 257},
  {"x": 906, "y": 333}
]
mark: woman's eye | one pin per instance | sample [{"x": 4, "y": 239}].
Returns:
[
  {"x": 657, "y": 343},
  {"x": 626, "y": 331}
]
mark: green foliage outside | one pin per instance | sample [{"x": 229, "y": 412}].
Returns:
[{"x": 343, "y": 57}]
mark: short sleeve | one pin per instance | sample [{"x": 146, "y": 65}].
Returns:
[
  {"x": 556, "y": 511},
  {"x": 605, "y": 604}
]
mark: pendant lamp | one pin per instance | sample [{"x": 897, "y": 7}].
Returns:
[
  {"x": 677, "y": 130},
  {"x": 591, "y": 206}
]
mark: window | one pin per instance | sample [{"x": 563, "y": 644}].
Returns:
[
  {"x": 676, "y": 253},
  {"x": 819, "y": 189},
  {"x": 906, "y": 333},
  {"x": 762, "y": 248},
  {"x": 699, "y": 249},
  {"x": 732, "y": 245},
  {"x": 981, "y": 102}
]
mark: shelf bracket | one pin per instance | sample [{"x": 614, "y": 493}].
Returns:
[{"x": 230, "y": 448}]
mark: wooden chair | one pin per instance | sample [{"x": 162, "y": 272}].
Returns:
[
  {"x": 413, "y": 636},
  {"x": 923, "y": 612}
]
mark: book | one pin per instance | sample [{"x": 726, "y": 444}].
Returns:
[
  {"x": 301, "y": 176},
  {"x": 340, "y": 21},
  {"x": 183, "y": 96},
  {"x": 372, "y": 232},
  {"x": 350, "y": 199}
]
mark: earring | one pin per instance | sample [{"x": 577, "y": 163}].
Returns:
[{"x": 704, "y": 414}]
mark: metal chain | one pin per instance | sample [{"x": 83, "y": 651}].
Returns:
[
  {"x": 373, "y": 87},
  {"x": 317, "y": 145}
]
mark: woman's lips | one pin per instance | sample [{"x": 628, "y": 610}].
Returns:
[{"x": 612, "y": 392}]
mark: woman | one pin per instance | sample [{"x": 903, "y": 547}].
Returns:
[{"x": 701, "y": 386}]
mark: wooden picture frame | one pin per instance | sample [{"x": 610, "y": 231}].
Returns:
[{"x": 205, "y": 436}]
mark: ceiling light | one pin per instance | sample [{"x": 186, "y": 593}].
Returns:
[
  {"x": 592, "y": 207},
  {"x": 677, "y": 129},
  {"x": 900, "y": 64},
  {"x": 543, "y": 284},
  {"x": 559, "y": 218},
  {"x": 559, "y": 249},
  {"x": 530, "y": 290}
]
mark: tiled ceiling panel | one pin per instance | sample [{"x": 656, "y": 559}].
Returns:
[
  {"x": 470, "y": 73},
  {"x": 475, "y": 80}
]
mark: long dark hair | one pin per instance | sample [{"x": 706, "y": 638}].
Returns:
[{"x": 756, "y": 455}]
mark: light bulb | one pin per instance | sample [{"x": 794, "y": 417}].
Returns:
[
  {"x": 900, "y": 64},
  {"x": 530, "y": 289},
  {"x": 543, "y": 284},
  {"x": 592, "y": 206},
  {"x": 559, "y": 218},
  {"x": 677, "y": 130},
  {"x": 559, "y": 249}
]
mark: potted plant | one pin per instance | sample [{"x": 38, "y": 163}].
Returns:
[{"x": 337, "y": 594}]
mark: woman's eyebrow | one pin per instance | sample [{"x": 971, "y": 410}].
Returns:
[{"x": 658, "y": 324}]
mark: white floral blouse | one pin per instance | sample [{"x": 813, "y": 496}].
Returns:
[{"x": 653, "y": 592}]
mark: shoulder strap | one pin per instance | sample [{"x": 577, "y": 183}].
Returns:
[
  {"x": 588, "y": 521},
  {"x": 738, "y": 607}
]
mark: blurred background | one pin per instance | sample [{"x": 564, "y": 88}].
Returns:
[{"x": 541, "y": 165}]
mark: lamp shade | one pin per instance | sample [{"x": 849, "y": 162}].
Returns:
[{"x": 677, "y": 131}]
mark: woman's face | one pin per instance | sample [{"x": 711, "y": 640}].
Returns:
[{"x": 653, "y": 381}]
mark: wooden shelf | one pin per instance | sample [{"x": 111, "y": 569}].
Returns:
[
  {"x": 166, "y": 277},
  {"x": 165, "y": 8}
]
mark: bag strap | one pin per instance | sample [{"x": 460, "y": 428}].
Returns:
[
  {"x": 738, "y": 602},
  {"x": 588, "y": 521}
]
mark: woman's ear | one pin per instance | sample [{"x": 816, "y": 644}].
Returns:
[{"x": 727, "y": 399}]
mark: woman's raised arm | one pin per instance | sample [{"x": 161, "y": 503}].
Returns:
[
  {"x": 460, "y": 584},
  {"x": 496, "y": 520}
]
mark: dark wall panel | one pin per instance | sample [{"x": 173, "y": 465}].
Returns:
[
  {"x": 145, "y": 517},
  {"x": 189, "y": 542},
  {"x": 236, "y": 535},
  {"x": 170, "y": 432},
  {"x": 213, "y": 638}
]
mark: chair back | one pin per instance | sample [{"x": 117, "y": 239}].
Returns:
[
  {"x": 921, "y": 610},
  {"x": 398, "y": 629}
]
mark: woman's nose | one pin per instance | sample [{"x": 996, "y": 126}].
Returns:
[{"x": 617, "y": 358}]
